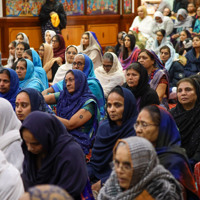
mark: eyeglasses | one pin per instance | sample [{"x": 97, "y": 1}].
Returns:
[
  {"x": 143, "y": 125},
  {"x": 79, "y": 64},
  {"x": 54, "y": 40},
  {"x": 124, "y": 166},
  {"x": 69, "y": 52}
]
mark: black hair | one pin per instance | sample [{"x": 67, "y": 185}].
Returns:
[
  {"x": 29, "y": 52},
  {"x": 57, "y": 38},
  {"x": 14, "y": 43},
  {"x": 5, "y": 71},
  {"x": 20, "y": 34},
  {"x": 26, "y": 45},
  {"x": 165, "y": 47},
  {"x": 108, "y": 56},
  {"x": 117, "y": 90},
  {"x": 154, "y": 113},
  {"x": 136, "y": 66},
  {"x": 23, "y": 60},
  {"x": 125, "y": 50},
  {"x": 110, "y": 47},
  {"x": 86, "y": 33},
  {"x": 163, "y": 32},
  {"x": 197, "y": 36}
]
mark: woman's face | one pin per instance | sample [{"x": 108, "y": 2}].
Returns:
[
  {"x": 123, "y": 167},
  {"x": 127, "y": 42},
  {"x": 85, "y": 40},
  {"x": 198, "y": 11},
  {"x": 166, "y": 11},
  {"x": 183, "y": 36},
  {"x": 20, "y": 38},
  {"x": 31, "y": 143},
  {"x": 158, "y": 20},
  {"x": 196, "y": 42},
  {"x": 164, "y": 55},
  {"x": 186, "y": 94},
  {"x": 48, "y": 38},
  {"x": 11, "y": 49},
  {"x": 159, "y": 36},
  {"x": 119, "y": 37},
  {"x": 132, "y": 77},
  {"x": 26, "y": 56},
  {"x": 22, "y": 106},
  {"x": 41, "y": 51},
  {"x": 107, "y": 64},
  {"x": 180, "y": 18},
  {"x": 140, "y": 13},
  {"x": 55, "y": 43},
  {"x": 115, "y": 107},
  {"x": 21, "y": 70},
  {"x": 70, "y": 82},
  {"x": 145, "y": 127},
  {"x": 70, "y": 54},
  {"x": 19, "y": 50},
  {"x": 4, "y": 83},
  {"x": 145, "y": 60}
]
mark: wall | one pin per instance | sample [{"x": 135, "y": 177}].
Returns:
[{"x": 1, "y": 9}]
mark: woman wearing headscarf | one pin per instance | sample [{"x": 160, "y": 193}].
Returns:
[
  {"x": 142, "y": 23},
  {"x": 169, "y": 59},
  {"x": 77, "y": 108},
  {"x": 182, "y": 22},
  {"x": 129, "y": 51},
  {"x": 40, "y": 73},
  {"x": 27, "y": 79},
  {"x": 158, "y": 76},
  {"x": 110, "y": 74},
  {"x": 22, "y": 37},
  {"x": 10, "y": 140},
  {"x": 11, "y": 58},
  {"x": 29, "y": 100},
  {"x": 9, "y": 85},
  {"x": 155, "y": 44},
  {"x": 187, "y": 117},
  {"x": 161, "y": 22},
  {"x": 10, "y": 180},
  {"x": 122, "y": 113},
  {"x": 137, "y": 174},
  {"x": 137, "y": 82},
  {"x": 48, "y": 36},
  {"x": 50, "y": 8},
  {"x": 84, "y": 63},
  {"x": 164, "y": 135},
  {"x": 91, "y": 47},
  {"x": 70, "y": 53},
  {"x": 193, "y": 57},
  {"x": 54, "y": 157}
]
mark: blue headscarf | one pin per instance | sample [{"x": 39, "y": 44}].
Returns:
[
  {"x": 64, "y": 162},
  {"x": 30, "y": 81},
  {"x": 37, "y": 100},
  {"x": 68, "y": 104},
  {"x": 107, "y": 135},
  {"x": 171, "y": 155},
  {"x": 14, "y": 88},
  {"x": 39, "y": 71}
]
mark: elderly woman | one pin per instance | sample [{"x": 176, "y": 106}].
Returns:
[
  {"x": 77, "y": 108},
  {"x": 52, "y": 156},
  {"x": 26, "y": 75},
  {"x": 156, "y": 125},
  {"x": 158, "y": 77},
  {"x": 187, "y": 115},
  {"x": 29, "y": 100},
  {"x": 142, "y": 23},
  {"x": 137, "y": 174},
  {"x": 122, "y": 113},
  {"x": 9, "y": 85},
  {"x": 10, "y": 140},
  {"x": 168, "y": 57},
  {"x": 129, "y": 51},
  {"x": 40, "y": 73},
  {"x": 193, "y": 57},
  {"x": 70, "y": 52},
  {"x": 91, "y": 47},
  {"x": 162, "y": 22},
  {"x": 110, "y": 74},
  {"x": 137, "y": 82}
]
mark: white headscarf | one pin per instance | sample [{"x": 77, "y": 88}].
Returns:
[
  {"x": 10, "y": 140},
  {"x": 52, "y": 33},
  {"x": 60, "y": 74},
  {"x": 25, "y": 37},
  {"x": 111, "y": 79},
  {"x": 186, "y": 23},
  {"x": 10, "y": 180}
]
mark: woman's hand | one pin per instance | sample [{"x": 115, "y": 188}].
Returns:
[
  {"x": 175, "y": 36},
  {"x": 59, "y": 61},
  {"x": 51, "y": 13},
  {"x": 97, "y": 186}
]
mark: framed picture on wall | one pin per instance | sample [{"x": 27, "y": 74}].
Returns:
[
  {"x": 102, "y": 7},
  {"x": 127, "y": 6}
]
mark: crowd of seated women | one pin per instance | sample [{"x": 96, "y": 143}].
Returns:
[{"x": 124, "y": 124}]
